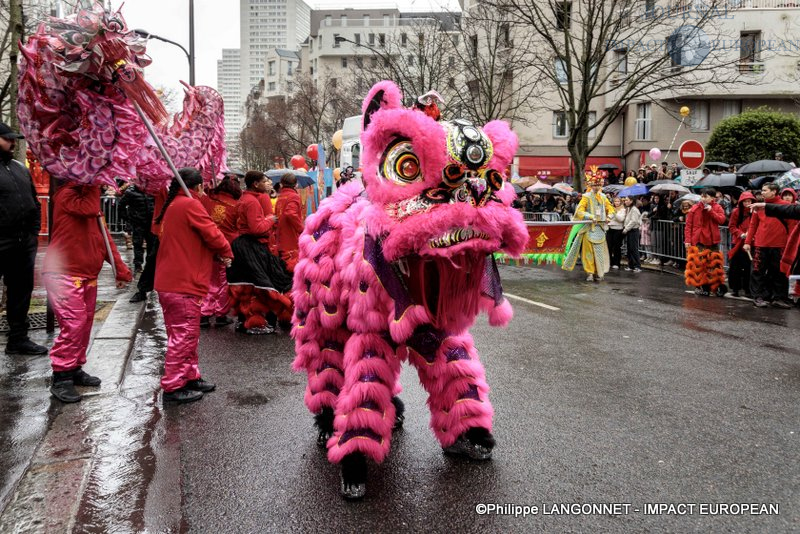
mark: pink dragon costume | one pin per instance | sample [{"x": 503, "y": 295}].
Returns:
[
  {"x": 397, "y": 269},
  {"x": 79, "y": 77}
]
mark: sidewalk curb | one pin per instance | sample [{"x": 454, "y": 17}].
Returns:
[{"x": 53, "y": 482}]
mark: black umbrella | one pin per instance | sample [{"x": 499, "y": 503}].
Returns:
[
  {"x": 303, "y": 179},
  {"x": 765, "y": 166},
  {"x": 607, "y": 167},
  {"x": 716, "y": 180},
  {"x": 756, "y": 183},
  {"x": 518, "y": 189},
  {"x": 715, "y": 164},
  {"x": 544, "y": 191},
  {"x": 613, "y": 188}
]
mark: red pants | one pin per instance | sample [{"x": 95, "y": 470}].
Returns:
[
  {"x": 216, "y": 300},
  {"x": 73, "y": 300},
  {"x": 182, "y": 320}
]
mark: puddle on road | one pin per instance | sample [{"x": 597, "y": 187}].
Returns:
[
  {"x": 125, "y": 488},
  {"x": 248, "y": 399}
]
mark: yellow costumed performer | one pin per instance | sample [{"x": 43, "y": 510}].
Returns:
[{"x": 590, "y": 241}]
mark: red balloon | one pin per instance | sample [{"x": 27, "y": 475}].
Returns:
[
  {"x": 312, "y": 152},
  {"x": 298, "y": 161}
]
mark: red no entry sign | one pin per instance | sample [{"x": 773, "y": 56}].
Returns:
[{"x": 692, "y": 154}]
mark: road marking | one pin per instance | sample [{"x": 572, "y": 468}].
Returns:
[{"x": 532, "y": 302}]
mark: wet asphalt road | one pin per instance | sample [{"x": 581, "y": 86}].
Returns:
[{"x": 632, "y": 392}]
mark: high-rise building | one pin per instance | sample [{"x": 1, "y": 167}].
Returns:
[
  {"x": 268, "y": 24},
  {"x": 229, "y": 87}
]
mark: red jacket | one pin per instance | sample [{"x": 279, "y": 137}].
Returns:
[
  {"x": 702, "y": 225},
  {"x": 290, "y": 220},
  {"x": 188, "y": 242},
  {"x": 255, "y": 215},
  {"x": 768, "y": 232},
  {"x": 158, "y": 204},
  {"x": 77, "y": 247},
  {"x": 222, "y": 208}
]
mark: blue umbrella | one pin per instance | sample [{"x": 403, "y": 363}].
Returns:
[
  {"x": 303, "y": 179},
  {"x": 633, "y": 191}
]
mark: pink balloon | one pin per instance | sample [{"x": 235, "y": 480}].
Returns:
[{"x": 655, "y": 154}]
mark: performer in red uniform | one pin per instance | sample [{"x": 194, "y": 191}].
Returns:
[
  {"x": 289, "y": 210},
  {"x": 189, "y": 242},
  {"x": 74, "y": 258},
  {"x": 258, "y": 280},
  {"x": 221, "y": 205}
]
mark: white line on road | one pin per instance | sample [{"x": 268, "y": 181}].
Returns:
[{"x": 532, "y": 302}]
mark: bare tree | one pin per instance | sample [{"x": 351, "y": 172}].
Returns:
[
  {"x": 282, "y": 126},
  {"x": 600, "y": 56}
]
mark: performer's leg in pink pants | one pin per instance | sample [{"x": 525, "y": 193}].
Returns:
[
  {"x": 216, "y": 300},
  {"x": 73, "y": 300},
  {"x": 182, "y": 319}
]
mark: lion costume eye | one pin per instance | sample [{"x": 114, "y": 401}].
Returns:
[{"x": 400, "y": 163}]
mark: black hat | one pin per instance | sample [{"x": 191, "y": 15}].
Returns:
[{"x": 8, "y": 133}]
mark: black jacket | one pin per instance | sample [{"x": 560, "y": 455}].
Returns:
[
  {"x": 20, "y": 211},
  {"x": 783, "y": 211},
  {"x": 136, "y": 207}
]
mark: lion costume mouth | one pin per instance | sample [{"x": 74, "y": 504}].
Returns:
[{"x": 456, "y": 236}]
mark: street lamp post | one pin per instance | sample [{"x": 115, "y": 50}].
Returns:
[{"x": 189, "y": 53}]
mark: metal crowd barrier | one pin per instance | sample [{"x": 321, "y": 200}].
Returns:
[
  {"x": 110, "y": 210},
  {"x": 545, "y": 216},
  {"x": 666, "y": 241}
]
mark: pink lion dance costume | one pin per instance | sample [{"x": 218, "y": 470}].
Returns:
[{"x": 397, "y": 269}]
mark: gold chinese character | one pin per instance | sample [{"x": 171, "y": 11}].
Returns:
[{"x": 541, "y": 240}]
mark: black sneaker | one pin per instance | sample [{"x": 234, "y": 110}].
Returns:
[
  {"x": 139, "y": 296},
  {"x": 182, "y": 395},
  {"x": 63, "y": 387},
  {"x": 82, "y": 378},
  {"x": 200, "y": 385},
  {"x": 26, "y": 348},
  {"x": 205, "y": 321}
]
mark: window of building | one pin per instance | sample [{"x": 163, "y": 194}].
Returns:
[
  {"x": 560, "y": 125},
  {"x": 451, "y": 83},
  {"x": 505, "y": 34},
  {"x": 700, "y": 116},
  {"x": 359, "y": 62},
  {"x": 373, "y": 62},
  {"x": 644, "y": 119},
  {"x": 290, "y": 87},
  {"x": 411, "y": 60},
  {"x": 371, "y": 39},
  {"x": 289, "y": 67},
  {"x": 343, "y": 20},
  {"x": 403, "y": 40},
  {"x": 328, "y": 20},
  {"x": 731, "y": 108},
  {"x": 271, "y": 86},
  {"x": 336, "y": 42},
  {"x": 621, "y": 61},
  {"x": 451, "y": 62},
  {"x": 271, "y": 68},
  {"x": 357, "y": 38},
  {"x": 649, "y": 8},
  {"x": 386, "y": 20},
  {"x": 561, "y": 71},
  {"x": 473, "y": 45},
  {"x": 344, "y": 62},
  {"x": 381, "y": 40},
  {"x": 366, "y": 20},
  {"x": 563, "y": 15},
  {"x": 750, "y": 51},
  {"x": 334, "y": 82}
]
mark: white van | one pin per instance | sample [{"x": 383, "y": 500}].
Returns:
[{"x": 351, "y": 142}]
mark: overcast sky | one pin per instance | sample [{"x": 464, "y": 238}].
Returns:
[{"x": 215, "y": 27}]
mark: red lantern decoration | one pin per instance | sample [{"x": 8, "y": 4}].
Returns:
[
  {"x": 312, "y": 152},
  {"x": 298, "y": 161}
]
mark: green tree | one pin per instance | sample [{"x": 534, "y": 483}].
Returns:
[{"x": 755, "y": 134}]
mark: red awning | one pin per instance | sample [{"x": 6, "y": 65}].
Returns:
[{"x": 545, "y": 166}]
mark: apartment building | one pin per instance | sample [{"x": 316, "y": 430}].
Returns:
[
  {"x": 266, "y": 25},
  {"x": 229, "y": 87},
  {"x": 280, "y": 72}
]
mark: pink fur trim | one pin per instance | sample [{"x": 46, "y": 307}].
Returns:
[
  {"x": 500, "y": 315},
  {"x": 504, "y": 142}
]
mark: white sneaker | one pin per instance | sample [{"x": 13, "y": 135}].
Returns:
[
  {"x": 615, "y": 267},
  {"x": 628, "y": 269},
  {"x": 590, "y": 278},
  {"x": 637, "y": 270}
]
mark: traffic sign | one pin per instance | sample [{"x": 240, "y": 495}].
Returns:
[
  {"x": 689, "y": 177},
  {"x": 692, "y": 154}
]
